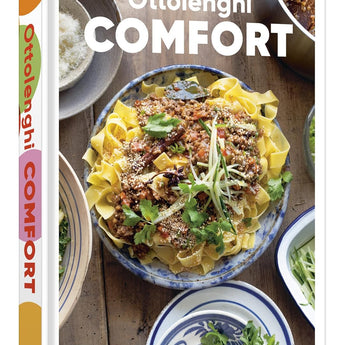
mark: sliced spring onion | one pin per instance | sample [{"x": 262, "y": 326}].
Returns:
[{"x": 302, "y": 263}]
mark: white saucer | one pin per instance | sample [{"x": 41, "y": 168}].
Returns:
[{"x": 235, "y": 297}]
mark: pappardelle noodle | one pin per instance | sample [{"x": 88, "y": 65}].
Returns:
[{"x": 182, "y": 174}]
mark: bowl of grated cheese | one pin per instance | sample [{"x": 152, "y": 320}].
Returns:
[{"x": 75, "y": 56}]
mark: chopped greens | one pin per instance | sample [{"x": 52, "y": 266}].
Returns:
[
  {"x": 148, "y": 211},
  {"x": 149, "y": 214},
  {"x": 193, "y": 187},
  {"x": 159, "y": 127},
  {"x": 252, "y": 336},
  {"x": 247, "y": 222},
  {"x": 132, "y": 218},
  {"x": 214, "y": 337},
  {"x": 276, "y": 185},
  {"x": 212, "y": 234},
  {"x": 63, "y": 239},
  {"x": 176, "y": 148},
  {"x": 302, "y": 262},
  {"x": 145, "y": 234},
  {"x": 192, "y": 216}
]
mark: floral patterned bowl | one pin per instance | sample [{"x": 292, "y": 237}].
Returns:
[{"x": 190, "y": 329}]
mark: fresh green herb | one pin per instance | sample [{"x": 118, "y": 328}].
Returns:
[
  {"x": 212, "y": 234},
  {"x": 193, "y": 187},
  {"x": 145, "y": 234},
  {"x": 227, "y": 215},
  {"x": 276, "y": 185},
  {"x": 63, "y": 240},
  {"x": 214, "y": 337},
  {"x": 176, "y": 148},
  {"x": 252, "y": 336},
  {"x": 191, "y": 215},
  {"x": 247, "y": 222},
  {"x": 132, "y": 218},
  {"x": 149, "y": 214},
  {"x": 302, "y": 263},
  {"x": 159, "y": 127}
]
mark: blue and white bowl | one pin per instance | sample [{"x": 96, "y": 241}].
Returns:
[
  {"x": 78, "y": 253},
  {"x": 241, "y": 300},
  {"x": 190, "y": 329},
  {"x": 227, "y": 267},
  {"x": 300, "y": 232}
]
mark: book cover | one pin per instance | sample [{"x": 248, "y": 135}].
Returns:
[{"x": 186, "y": 171}]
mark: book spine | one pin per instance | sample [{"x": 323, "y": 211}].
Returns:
[{"x": 30, "y": 172}]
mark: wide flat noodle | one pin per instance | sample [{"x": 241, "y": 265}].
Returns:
[{"x": 107, "y": 161}]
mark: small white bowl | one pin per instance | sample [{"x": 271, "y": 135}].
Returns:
[
  {"x": 78, "y": 252},
  {"x": 77, "y": 11},
  {"x": 300, "y": 232},
  {"x": 191, "y": 328}
]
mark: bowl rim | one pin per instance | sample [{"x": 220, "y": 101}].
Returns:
[
  {"x": 307, "y": 213},
  {"x": 77, "y": 294},
  {"x": 161, "y": 280},
  {"x": 295, "y": 20},
  {"x": 67, "y": 111},
  {"x": 66, "y": 83}
]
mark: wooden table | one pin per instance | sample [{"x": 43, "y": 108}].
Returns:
[{"x": 118, "y": 308}]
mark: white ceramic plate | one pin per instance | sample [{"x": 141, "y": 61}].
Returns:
[
  {"x": 78, "y": 252},
  {"x": 297, "y": 234},
  {"x": 235, "y": 297}
]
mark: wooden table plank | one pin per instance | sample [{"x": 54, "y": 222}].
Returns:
[{"x": 87, "y": 324}]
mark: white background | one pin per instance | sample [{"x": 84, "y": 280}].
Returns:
[{"x": 330, "y": 186}]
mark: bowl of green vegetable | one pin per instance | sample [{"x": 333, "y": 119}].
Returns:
[
  {"x": 75, "y": 239},
  {"x": 295, "y": 261},
  {"x": 309, "y": 142}
]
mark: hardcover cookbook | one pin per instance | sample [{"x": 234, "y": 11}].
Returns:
[{"x": 180, "y": 208}]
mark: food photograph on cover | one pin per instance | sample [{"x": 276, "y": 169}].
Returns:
[{"x": 186, "y": 172}]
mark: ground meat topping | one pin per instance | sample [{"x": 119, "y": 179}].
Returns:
[{"x": 238, "y": 136}]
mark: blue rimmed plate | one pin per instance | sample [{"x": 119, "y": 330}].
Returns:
[
  {"x": 78, "y": 252},
  {"x": 227, "y": 267},
  {"x": 300, "y": 232},
  {"x": 234, "y": 297}
]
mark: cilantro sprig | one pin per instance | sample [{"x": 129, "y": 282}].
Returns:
[
  {"x": 252, "y": 336},
  {"x": 149, "y": 214},
  {"x": 213, "y": 234},
  {"x": 191, "y": 215},
  {"x": 193, "y": 187},
  {"x": 159, "y": 127},
  {"x": 276, "y": 185},
  {"x": 214, "y": 337}
]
